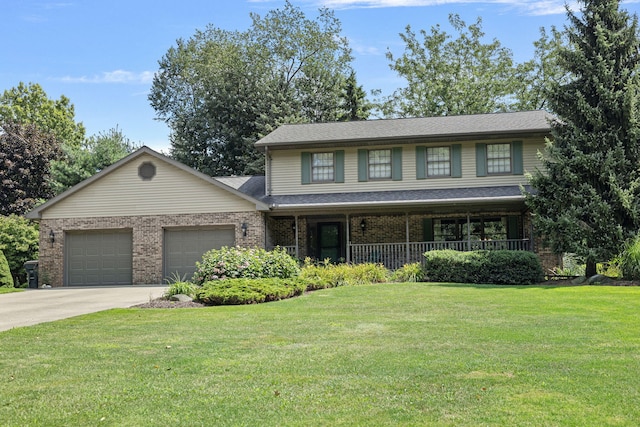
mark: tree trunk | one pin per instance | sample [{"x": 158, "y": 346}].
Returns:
[{"x": 590, "y": 269}]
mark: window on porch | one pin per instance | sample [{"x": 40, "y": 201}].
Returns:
[{"x": 476, "y": 229}]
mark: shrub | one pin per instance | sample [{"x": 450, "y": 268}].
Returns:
[
  {"x": 248, "y": 291},
  {"x": 495, "y": 267},
  {"x": 19, "y": 242},
  {"x": 408, "y": 273},
  {"x": 6, "y": 279},
  {"x": 630, "y": 260},
  {"x": 233, "y": 263},
  {"x": 326, "y": 275}
]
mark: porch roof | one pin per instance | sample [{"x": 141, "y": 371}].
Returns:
[{"x": 254, "y": 186}]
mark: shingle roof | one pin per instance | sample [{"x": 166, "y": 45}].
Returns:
[
  {"x": 254, "y": 187},
  {"x": 414, "y": 128}
]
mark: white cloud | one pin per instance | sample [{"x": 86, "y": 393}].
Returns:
[
  {"x": 528, "y": 7},
  {"x": 113, "y": 77},
  {"x": 364, "y": 49}
]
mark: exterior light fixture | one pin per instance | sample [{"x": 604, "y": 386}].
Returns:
[
  {"x": 244, "y": 227},
  {"x": 293, "y": 226},
  {"x": 363, "y": 225},
  {"x": 52, "y": 237}
]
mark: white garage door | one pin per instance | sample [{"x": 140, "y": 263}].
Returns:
[
  {"x": 183, "y": 247},
  {"x": 98, "y": 258}
]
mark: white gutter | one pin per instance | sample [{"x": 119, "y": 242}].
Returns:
[{"x": 399, "y": 202}]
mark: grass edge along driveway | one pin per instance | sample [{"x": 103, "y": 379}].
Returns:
[{"x": 392, "y": 354}]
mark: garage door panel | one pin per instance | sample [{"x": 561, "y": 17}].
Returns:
[
  {"x": 99, "y": 258},
  {"x": 183, "y": 247}
]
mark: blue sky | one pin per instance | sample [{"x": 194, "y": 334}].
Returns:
[{"x": 102, "y": 54}]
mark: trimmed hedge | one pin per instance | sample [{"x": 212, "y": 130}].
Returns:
[
  {"x": 491, "y": 267},
  {"x": 248, "y": 291}
]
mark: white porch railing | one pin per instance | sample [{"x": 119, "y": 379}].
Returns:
[
  {"x": 291, "y": 250},
  {"x": 395, "y": 255}
]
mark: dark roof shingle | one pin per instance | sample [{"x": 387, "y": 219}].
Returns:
[{"x": 413, "y": 128}]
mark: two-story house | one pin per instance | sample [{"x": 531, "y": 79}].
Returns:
[{"x": 371, "y": 191}]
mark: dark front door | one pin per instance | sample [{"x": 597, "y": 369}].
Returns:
[{"x": 330, "y": 241}]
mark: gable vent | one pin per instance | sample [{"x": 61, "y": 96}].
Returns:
[{"x": 147, "y": 171}]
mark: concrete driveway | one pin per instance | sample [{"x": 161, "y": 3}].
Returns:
[{"x": 44, "y": 305}]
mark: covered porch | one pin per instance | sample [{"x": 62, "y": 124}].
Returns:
[
  {"x": 397, "y": 227},
  {"x": 394, "y": 239}
]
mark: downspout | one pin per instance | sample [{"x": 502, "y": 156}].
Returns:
[{"x": 267, "y": 172}]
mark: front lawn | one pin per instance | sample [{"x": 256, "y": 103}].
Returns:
[
  {"x": 5, "y": 290},
  {"x": 392, "y": 354}
]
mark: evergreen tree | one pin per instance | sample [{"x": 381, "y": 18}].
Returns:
[
  {"x": 6, "y": 279},
  {"x": 354, "y": 101},
  {"x": 588, "y": 200}
]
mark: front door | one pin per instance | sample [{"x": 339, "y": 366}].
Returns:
[{"x": 330, "y": 241}]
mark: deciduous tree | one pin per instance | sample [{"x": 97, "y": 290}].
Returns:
[
  {"x": 28, "y": 103},
  {"x": 537, "y": 78},
  {"x": 94, "y": 154},
  {"x": 25, "y": 155},
  {"x": 448, "y": 76},
  {"x": 220, "y": 91}
]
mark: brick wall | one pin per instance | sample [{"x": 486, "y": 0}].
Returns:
[
  {"x": 147, "y": 234},
  {"x": 281, "y": 233}
]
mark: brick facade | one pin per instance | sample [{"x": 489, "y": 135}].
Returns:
[{"x": 147, "y": 234}]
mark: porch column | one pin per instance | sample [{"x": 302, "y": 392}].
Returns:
[
  {"x": 468, "y": 232},
  {"x": 296, "y": 238},
  {"x": 348, "y": 239},
  {"x": 407, "y": 255}
]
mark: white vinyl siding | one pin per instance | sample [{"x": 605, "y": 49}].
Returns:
[
  {"x": 286, "y": 166},
  {"x": 124, "y": 193}
]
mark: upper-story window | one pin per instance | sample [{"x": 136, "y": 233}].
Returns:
[
  {"x": 438, "y": 161},
  {"x": 322, "y": 167},
  {"x": 499, "y": 159},
  {"x": 380, "y": 164}
]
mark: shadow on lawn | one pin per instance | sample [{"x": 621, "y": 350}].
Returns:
[
  {"x": 548, "y": 284},
  {"x": 551, "y": 284}
]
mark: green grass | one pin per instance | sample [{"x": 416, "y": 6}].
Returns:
[
  {"x": 383, "y": 355},
  {"x": 4, "y": 290}
]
